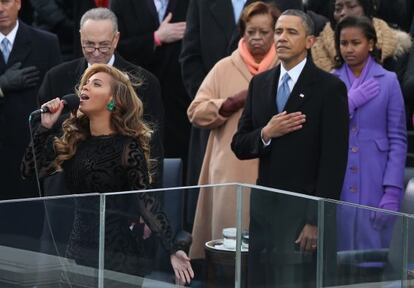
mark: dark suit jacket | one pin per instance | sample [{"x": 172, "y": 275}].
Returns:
[
  {"x": 311, "y": 160},
  {"x": 210, "y": 26},
  {"x": 32, "y": 47},
  {"x": 62, "y": 17},
  {"x": 137, "y": 21},
  {"x": 63, "y": 79}
]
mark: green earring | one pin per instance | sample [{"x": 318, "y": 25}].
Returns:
[{"x": 110, "y": 106}]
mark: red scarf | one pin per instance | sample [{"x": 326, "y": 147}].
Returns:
[
  {"x": 102, "y": 3},
  {"x": 256, "y": 68}
]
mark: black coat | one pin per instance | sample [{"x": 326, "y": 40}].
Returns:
[
  {"x": 63, "y": 79},
  {"x": 137, "y": 21},
  {"x": 310, "y": 161},
  {"x": 32, "y": 47},
  {"x": 210, "y": 28},
  {"x": 408, "y": 89},
  {"x": 62, "y": 17}
]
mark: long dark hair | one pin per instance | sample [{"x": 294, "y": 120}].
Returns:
[{"x": 363, "y": 23}]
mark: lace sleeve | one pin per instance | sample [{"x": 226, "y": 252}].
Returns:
[
  {"x": 148, "y": 204},
  {"x": 44, "y": 151}
]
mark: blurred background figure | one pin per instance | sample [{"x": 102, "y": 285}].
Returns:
[
  {"x": 394, "y": 44},
  {"x": 62, "y": 18},
  {"x": 397, "y": 13},
  {"x": 408, "y": 91},
  {"x": 151, "y": 34},
  {"x": 377, "y": 137},
  {"x": 26, "y": 55},
  {"x": 217, "y": 106}
]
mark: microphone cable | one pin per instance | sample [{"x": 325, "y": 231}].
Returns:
[{"x": 49, "y": 226}]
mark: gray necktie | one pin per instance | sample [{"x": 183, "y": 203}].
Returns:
[
  {"x": 283, "y": 93},
  {"x": 5, "y": 49}
]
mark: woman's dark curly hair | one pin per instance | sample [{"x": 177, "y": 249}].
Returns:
[{"x": 363, "y": 23}]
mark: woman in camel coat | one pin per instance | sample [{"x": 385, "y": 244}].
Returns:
[{"x": 218, "y": 106}]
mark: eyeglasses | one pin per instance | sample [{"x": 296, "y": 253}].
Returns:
[{"x": 91, "y": 49}]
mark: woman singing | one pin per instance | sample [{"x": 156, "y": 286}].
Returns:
[{"x": 105, "y": 148}]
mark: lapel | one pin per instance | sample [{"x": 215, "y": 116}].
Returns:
[
  {"x": 22, "y": 45},
  {"x": 270, "y": 90},
  {"x": 120, "y": 63},
  {"x": 240, "y": 65},
  {"x": 376, "y": 71},
  {"x": 151, "y": 8},
  {"x": 141, "y": 8},
  {"x": 222, "y": 12},
  {"x": 2, "y": 63},
  {"x": 300, "y": 93},
  {"x": 81, "y": 67},
  {"x": 171, "y": 7}
]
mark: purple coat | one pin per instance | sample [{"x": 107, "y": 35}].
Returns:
[{"x": 376, "y": 158}]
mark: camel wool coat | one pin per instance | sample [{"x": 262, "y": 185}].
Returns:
[{"x": 216, "y": 207}]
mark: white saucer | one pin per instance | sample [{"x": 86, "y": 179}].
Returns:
[{"x": 218, "y": 245}]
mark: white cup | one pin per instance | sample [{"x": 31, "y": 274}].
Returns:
[{"x": 229, "y": 237}]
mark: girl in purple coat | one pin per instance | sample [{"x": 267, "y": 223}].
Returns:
[{"x": 377, "y": 138}]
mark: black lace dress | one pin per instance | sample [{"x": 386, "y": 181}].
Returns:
[{"x": 105, "y": 164}]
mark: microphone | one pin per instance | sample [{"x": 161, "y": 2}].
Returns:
[{"x": 70, "y": 101}]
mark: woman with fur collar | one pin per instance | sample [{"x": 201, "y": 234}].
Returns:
[{"x": 393, "y": 44}]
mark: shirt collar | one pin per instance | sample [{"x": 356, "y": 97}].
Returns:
[
  {"x": 110, "y": 62},
  {"x": 12, "y": 35},
  {"x": 294, "y": 73},
  {"x": 238, "y": 6}
]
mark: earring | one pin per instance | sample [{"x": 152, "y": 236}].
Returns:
[{"x": 110, "y": 106}]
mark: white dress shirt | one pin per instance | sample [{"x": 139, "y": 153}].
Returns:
[
  {"x": 238, "y": 6},
  {"x": 11, "y": 36}
]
